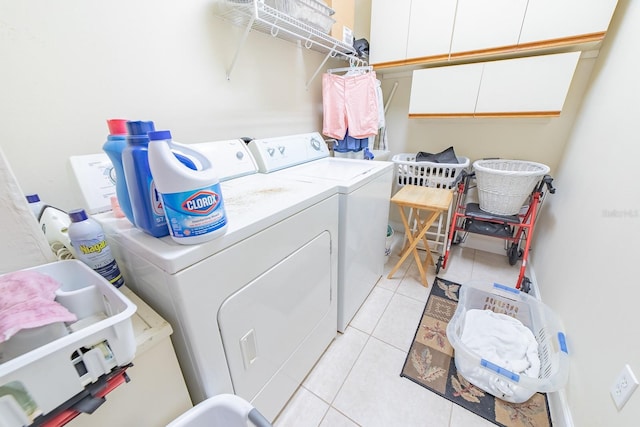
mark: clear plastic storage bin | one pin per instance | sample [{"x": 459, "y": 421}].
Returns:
[
  {"x": 41, "y": 368},
  {"x": 538, "y": 317}
]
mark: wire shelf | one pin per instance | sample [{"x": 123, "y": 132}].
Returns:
[{"x": 256, "y": 15}]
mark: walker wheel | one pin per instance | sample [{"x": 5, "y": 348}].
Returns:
[
  {"x": 514, "y": 254},
  {"x": 526, "y": 285}
]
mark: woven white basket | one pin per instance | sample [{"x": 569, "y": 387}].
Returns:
[{"x": 505, "y": 185}]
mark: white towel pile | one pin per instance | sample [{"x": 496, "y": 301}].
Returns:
[{"x": 502, "y": 340}]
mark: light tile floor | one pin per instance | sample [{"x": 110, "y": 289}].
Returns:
[{"x": 357, "y": 381}]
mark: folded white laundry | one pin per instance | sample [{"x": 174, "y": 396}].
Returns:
[{"x": 502, "y": 340}]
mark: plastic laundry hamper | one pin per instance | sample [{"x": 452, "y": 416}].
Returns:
[
  {"x": 505, "y": 185},
  {"x": 408, "y": 171},
  {"x": 539, "y": 318},
  {"x": 222, "y": 410}
]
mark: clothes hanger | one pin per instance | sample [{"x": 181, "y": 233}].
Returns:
[
  {"x": 352, "y": 69},
  {"x": 360, "y": 70}
]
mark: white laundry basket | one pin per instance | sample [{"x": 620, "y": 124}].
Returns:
[
  {"x": 538, "y": 317},
  {"x": 222, "y": 410},
  {"x": 505, "y": 185},
  {"x": 408, "y": 171}
]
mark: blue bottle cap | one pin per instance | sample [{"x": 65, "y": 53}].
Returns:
[
  {"x": 33, "y": 198},
  {"x": 139, "y": 127},
  {"x": 159, "y": 135},
  {"x": 77, "y": 215}
]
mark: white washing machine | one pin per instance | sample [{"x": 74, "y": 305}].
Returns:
[
  {"x": 364, "y": 189},
  {"x": 253, "y": 310}
]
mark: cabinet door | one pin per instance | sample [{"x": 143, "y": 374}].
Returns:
[
  {"x": 430, "y": 28},
  {"x": 554, "y": 19},
  {"x": 526, "y": 85},
  {"x": 487, "y": 24},
  {"x": 445, "y": 91},
  {"x": 389, "y": 30}
]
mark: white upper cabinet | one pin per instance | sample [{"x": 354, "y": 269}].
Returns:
[
  {"x": 486, "y": 24},
  {"x": 449, "y": 90},
  {"x": 410, "y": 32},
  {"x": 557, "y": 19},
  {"x": 389, "y": 30},
  {"x": 531, "y": 85},
  {"x": 430, "y": 28}
]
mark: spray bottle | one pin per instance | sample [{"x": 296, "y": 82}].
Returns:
[{"x": 192, "y": 199}]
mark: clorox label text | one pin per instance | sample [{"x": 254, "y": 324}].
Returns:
[{"x": 201, "y": 203}]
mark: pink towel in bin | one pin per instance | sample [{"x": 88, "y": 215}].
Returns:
[{"x": 27, "y": 301}]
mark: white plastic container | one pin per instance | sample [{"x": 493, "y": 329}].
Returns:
[
  {"x": 48, "y": 367},
  {"x": 222, "y": 410},
  {"x": 90, "y": 244},
  {"x": 428, "y": 174},
  {"x": 192, "y": 199}
]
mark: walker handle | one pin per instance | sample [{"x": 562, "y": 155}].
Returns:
[{"x": 548, "y": 180}]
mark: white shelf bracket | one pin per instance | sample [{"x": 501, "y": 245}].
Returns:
[
  {"x": 241, "y": 42},
  {"x": 332, "y": 54}
]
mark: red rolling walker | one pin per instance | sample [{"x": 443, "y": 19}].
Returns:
[{"x": 515, "y": 230}]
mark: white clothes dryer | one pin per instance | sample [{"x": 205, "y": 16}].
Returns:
[
  {"x": 364, "y": 189},
  {"x": 253, "y": 310}
]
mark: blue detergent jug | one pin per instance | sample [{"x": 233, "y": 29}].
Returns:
[
  {"x": 113, "y": 147},
  {"x": 146, "y": 203}
]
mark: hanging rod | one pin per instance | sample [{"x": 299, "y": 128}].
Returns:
[{"x": 352, "y": 68}]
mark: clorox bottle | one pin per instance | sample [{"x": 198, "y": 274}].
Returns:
[{"x": 192, "y": 199}]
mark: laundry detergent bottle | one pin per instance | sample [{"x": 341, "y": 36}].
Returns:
[
  {"x": 146, "y": 204},
  {"x": 115, "y": 144},
  {"x": 192, "y": 199}
]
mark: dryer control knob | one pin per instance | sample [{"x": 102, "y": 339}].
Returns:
[{"x": 315, "y": 144}]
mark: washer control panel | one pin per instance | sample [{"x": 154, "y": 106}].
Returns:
[{"x": 272, "y": 154}]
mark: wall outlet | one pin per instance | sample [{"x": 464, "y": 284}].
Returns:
[{"x": 623, "y": 388}]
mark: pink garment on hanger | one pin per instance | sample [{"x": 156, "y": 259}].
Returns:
[{"x": 349, "y": 102}]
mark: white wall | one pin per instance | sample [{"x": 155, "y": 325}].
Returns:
[
  {"x": 586, "y": 255},
  {"x": 67, "y": 67}
]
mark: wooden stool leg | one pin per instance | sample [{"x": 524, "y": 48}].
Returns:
[
  {"x": 406, "y": 250},
  {"x": 423, "y": 226}
]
